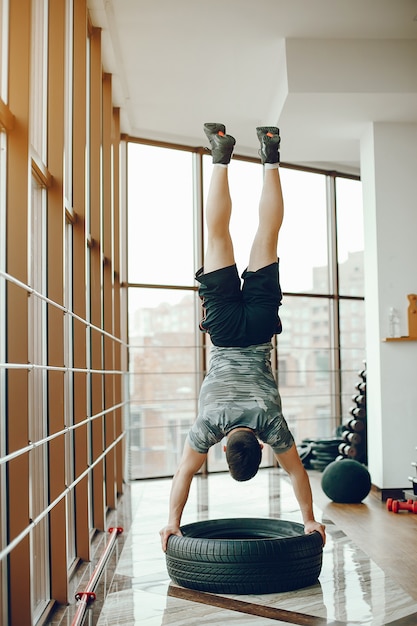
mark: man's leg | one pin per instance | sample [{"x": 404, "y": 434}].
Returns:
[
  {"x": 219, "y": 252},
  {"x": 271, "y": 205}
]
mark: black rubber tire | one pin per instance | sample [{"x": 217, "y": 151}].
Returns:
[{"x": 244, "y": 556}]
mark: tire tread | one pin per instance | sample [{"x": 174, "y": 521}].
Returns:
[{"x": 275, "y": 556}]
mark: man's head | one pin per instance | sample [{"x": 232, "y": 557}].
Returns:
[{"x": 243, "y": 454}]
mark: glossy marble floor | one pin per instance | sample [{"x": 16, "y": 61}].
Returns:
[{"x": 135, "y": 589}]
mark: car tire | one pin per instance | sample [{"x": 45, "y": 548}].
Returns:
[{"x": 244, "y": 556}]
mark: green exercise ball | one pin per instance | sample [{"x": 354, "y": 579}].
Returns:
[{"x": 346, "y": 481}]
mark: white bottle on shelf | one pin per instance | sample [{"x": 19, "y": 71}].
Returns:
[{"x": 393, "y": 323}]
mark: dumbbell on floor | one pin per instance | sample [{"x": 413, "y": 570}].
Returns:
[{"x": 402, "y": 505}]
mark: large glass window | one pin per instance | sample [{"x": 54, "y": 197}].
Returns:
[
  {"x": 352, "y": 351},
  {"x": 161, "y": 321},
  {"x": 168, "y": 354},
  {"x": 350, "y": 237},
  {"x": 302, "y": 245},
  {"x": 37, "y": 348},
  {"x": 160, "y": 216},
  {"x": 164, "y": 378},
  {"x": 304, "y": 372},
  {"x": 69, "y": 395},
  {"x": 38, "y": 399},
  {"x": 39, "y": 83}
]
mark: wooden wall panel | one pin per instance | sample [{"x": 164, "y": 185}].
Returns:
[
  {"x": 56, "y": 332},
  {"x": 18, "y": 191},
  {"x": 97, "y": 392},
  {"x": 79, "y": 274}
]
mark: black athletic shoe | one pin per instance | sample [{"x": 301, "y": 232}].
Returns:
[
  {"x": 221, "y": 144},
  {"x": 270, "y": 140}
]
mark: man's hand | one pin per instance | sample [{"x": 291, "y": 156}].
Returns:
[
  {"x": 312, "y": 525},
  {"x": 167, "y": 532}
]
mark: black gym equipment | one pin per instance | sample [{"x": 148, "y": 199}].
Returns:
[{"x": 346, "y": 481}]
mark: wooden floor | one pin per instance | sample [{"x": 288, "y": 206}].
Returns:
[{"x": 389, "y": 539}]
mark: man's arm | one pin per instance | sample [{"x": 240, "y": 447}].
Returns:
[
  {"x": 190, "y": 463},
  {"x": 290, "y": 461}
]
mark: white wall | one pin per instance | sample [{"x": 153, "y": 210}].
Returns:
[{"x": 389, "y": 179}]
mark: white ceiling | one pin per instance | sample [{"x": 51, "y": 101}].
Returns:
[{"x": 322, "y": 70}]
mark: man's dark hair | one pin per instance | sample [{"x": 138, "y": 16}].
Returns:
[{"x": 243, "y": 455}]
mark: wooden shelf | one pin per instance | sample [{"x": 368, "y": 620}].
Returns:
[{"x": 400, "y": 339}]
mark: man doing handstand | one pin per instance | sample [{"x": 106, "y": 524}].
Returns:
[{"x": 239, "y": 398}]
